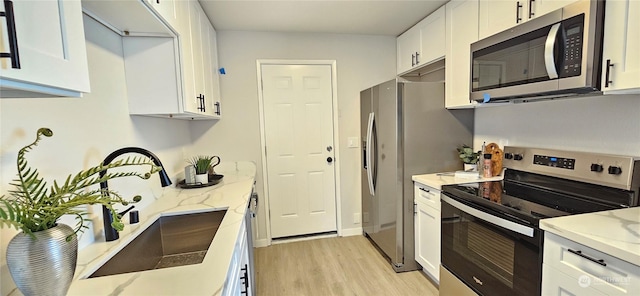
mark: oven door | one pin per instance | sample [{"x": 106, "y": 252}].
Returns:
[{"x": 491, "y": 254}]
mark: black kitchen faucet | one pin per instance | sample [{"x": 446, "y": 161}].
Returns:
[{"x": 110, "y": 234}]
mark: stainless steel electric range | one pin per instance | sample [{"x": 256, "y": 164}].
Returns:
[{"x": 491, "y": 240}]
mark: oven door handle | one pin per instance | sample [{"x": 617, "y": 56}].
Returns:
[{"x": 513, "y": 226}]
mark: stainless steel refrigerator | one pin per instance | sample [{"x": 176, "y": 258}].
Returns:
[{"x": 405, "y": 131}]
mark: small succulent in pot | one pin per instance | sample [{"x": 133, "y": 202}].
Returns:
[
  {"x": 467, "y": 155},
  {"x": 201, "y": 163}
]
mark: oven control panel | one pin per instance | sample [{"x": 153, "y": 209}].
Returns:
[
  {"x": 554, "y": 161},
  {"x": 616, "y": 171}
]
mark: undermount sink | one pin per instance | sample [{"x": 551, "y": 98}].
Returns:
[{"x": 169, "y": 242}]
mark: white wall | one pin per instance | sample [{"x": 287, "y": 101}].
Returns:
[
  {"x": 362, "y": 61},
  {"x": 605, "y": 124},
  {"x": 85, "y": 131}
]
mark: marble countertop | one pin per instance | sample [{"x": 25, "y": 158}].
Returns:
[
  {"x": 440, "y": 179},
  {"x": 207, "y": 278},
  {"x": 615, "y": 232}
]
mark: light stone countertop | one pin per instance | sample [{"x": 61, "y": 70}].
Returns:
[
  {"x": 440, "y": 179},
  {"x": 614, "y": 232},
  {"x": 207, "y": 278}
]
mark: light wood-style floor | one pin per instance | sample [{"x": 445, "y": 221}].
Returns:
[{"x": 333, "y": 266}]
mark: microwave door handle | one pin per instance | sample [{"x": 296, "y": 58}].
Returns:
[
  {"x": 549, "y": 45},
  {"x": 368, "y": 153}
]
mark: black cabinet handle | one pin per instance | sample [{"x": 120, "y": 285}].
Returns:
[
  {"x": 425, "y": 190},
  {"x": 417, "y": 58},
  {"x": 217, "y": 104},
  {"x": 158, "y": 1},
  {"x": 13, "y": 38},
  {"x": 518, "y": 6},
  {"x": 413, "y": 59},
  {"x": 579, "y": 253},
  {"x": 201, "y": 104},
  {"x": 607, "y": 73},
  {"x": 531, "y": 13}
]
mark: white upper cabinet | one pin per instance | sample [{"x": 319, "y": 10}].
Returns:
[
  {"x": 214, "y": 94},
  {"x": 49, "y": 45},
  {"x": 432, "y": 37},
  {"x": 408, "y": 46},
  {"x": 423, "y": 43},
  {"x": 496, "y": 16},
  {"x": 133, "y": 17},
  {"x": 460, "y": 15},
  {"x": 184, "y": 84},
  {"x": 621, "y": 49}
]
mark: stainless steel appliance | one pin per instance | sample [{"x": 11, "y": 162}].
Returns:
[
  {"x": 405, "y": 131},
  {"x": 556, "y": 54},
  {"x": 491, "y": 240}
]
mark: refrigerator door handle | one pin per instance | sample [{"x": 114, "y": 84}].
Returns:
[{"x": 368, "y": 154}]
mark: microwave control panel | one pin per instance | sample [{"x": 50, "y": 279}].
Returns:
[{"x": 573, "y": 42}]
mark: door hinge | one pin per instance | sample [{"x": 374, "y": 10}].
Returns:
[
  {"x": 265, "y": 150},
  {"x": 415, "y": 208}
]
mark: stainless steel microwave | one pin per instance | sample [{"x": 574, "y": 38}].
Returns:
[{"x": 554, "y": 55}]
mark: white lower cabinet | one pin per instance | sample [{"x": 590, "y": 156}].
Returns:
[
  {"x": 49, "y": 49},
  {"x": 427, "y": 229},
  {"x": 238, "y": 280},
  {"x": 571, "y": 268}
]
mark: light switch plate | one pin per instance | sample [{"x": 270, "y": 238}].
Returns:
[{"x": 353, "y": 142}]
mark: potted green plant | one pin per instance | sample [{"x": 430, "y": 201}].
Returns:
[
  {"x": 202, "y": 164},
  {"x": 42, "y": 258},
  {"x": 469, "y": 157}
]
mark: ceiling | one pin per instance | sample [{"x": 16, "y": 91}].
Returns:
[{"x": 318, "y": 16}]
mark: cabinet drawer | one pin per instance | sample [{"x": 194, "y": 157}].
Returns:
[
  {"x": 556, "y": 283},
  {"x": 601, "y": 271},
  {"x": 427, "y": 195}
]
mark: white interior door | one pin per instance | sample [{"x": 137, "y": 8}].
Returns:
[{"x": 298, "y": 130}]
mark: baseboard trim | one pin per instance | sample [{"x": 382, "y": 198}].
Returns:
[
  {"x": 351, "y": 231},
  {"x": 259, "y": 243}
]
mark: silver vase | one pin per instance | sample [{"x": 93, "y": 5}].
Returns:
[{"x": 44, "y": 265}]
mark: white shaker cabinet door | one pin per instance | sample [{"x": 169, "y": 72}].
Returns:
[
  {"x": 461, "y": 32},
  {"x": 214, "y": 96},
  {"x": 427, "y": 239},
  {"x": 432, "y": 37},
  {"x": 51, "y": 49},
  {"x": 621, "y": 49},
  {"x": 408, "y": 49}
]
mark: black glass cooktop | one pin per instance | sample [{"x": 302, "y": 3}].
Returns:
[{"x": 531, "y": 197}]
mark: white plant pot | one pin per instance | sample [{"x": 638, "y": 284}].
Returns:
[
  {"x": 470, "y": 167},
  {"x": 202, "y": 178}
]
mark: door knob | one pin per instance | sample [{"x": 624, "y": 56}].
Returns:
[{"x": 329, "y": 159}]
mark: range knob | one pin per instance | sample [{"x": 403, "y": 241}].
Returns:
[
  {"x": 615, "y": 170},
  {"x": 596, "y": 167},
  {"x": 508, "y": 155},
  {"x": 517, "y": 157}
]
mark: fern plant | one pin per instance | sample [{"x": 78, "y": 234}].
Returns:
[{"x": 32, "y": 206}]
